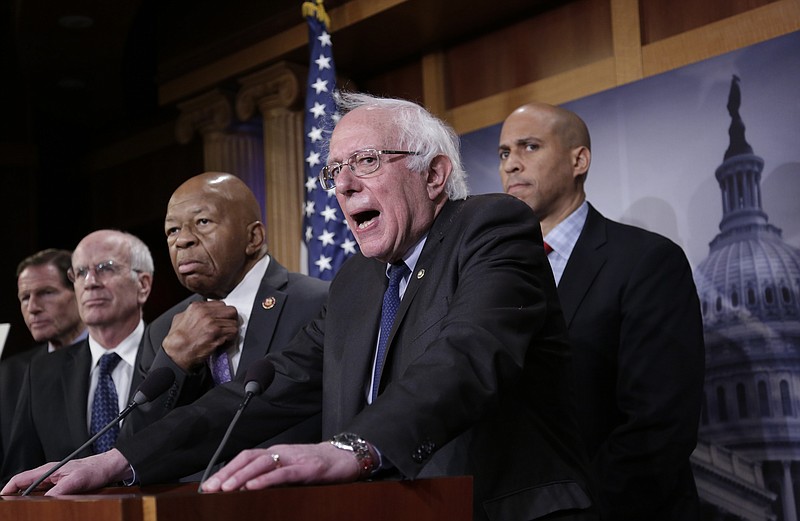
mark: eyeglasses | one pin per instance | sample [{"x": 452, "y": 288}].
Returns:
[
  {"x": 362, "y": 163},
  {"x": 102, "y": 272}
]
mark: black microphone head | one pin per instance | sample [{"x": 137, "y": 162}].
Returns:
[
  {"x": 155, "y": 383},
  {"x": 259, "y": 375}
]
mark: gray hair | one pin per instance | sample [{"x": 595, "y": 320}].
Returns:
[
  {"x": 417, "y": 130},
  {"x": 141, "y": 258}
]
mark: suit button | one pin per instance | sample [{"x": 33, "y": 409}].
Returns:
[{"x": 423, "y": 452}]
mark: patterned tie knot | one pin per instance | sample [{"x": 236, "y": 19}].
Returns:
[
  {"x": 108, "y": 362},
  {"x": 396, "y": 274}
]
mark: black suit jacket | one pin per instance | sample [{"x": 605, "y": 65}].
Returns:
[
  {"x": 12, "y": 374},
  {"x": 637, "y": 335},
  {"x": 297, "y": 300},
  {"x": 50, "y": 421},
  {"x": 478, "y": 379}
]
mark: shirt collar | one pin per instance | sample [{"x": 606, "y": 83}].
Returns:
[
  {"x": 83, "y": 336},
  {"x": 412, "y": 256},
  {"x": 244, "y": 294},
  {"x": 563, "y": 237},
  {"x": 126, "y": 349}
]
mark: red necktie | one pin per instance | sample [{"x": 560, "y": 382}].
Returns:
[{"x": 547, "y": 249}]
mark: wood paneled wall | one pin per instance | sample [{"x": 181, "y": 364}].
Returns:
[{"x": 575, "y": 49}]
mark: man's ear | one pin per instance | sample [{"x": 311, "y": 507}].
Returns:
[
  {"x": 256, "y": 237},
  {"x": 438, "y": 174},
  {"x": 145, "y": 281},
  {"x": 581, "y": 159}
]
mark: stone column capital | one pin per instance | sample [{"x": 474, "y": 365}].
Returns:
[
  {"x": 278, "y": 86},
  {"x": 207, "y": 113}
]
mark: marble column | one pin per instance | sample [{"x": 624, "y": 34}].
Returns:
[{"x": 228, "y": 145}]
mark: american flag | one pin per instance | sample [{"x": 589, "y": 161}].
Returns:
[{"x": 327, "y": 237}]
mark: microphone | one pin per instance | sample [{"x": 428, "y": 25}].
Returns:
[
  {"x": 258, "y": 377},
  {"x": 154, "y": 384}
]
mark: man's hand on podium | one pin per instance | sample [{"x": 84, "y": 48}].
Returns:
[
  {"x": 284, "y": 464},
  {"x": 76, "y": 476}
]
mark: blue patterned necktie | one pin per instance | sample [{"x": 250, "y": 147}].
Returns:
[
  {"x": 105, "y": 406},
  {"x": 391, "y": 302},
  {"x": 220, "y": 366}
]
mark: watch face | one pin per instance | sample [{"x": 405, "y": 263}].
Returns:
[
  {"x": 360, "y": 448},
  {"x": 345, "y": 441}
]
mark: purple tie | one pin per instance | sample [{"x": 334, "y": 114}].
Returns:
[
  {"x": 220, "y": 366},
  {"x": 105, "y": 406},
  {"x": 391, "y": 302}
]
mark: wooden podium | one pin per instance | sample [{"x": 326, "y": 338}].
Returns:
[{"x": 419, "y": 500}]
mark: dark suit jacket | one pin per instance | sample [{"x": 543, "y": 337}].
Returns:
[
  {"x": 636, "y": 330},
  {"x": 479, "y": 375},
  {"x": 12, "y": 374},
  {"x": 297, "y": 300},
  {"x": 50, "y": 421}
]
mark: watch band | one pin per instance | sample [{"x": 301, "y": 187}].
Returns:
[{"x": 360, "y": 449}]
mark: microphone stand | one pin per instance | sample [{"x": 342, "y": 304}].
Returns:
[
  {"x": 131, "y": 406},
  {"x": 224, "y": 441}
]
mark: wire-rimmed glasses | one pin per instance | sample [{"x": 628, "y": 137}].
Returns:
[
  {"x": 102, "y": 272},
  {"x": 362, "y": 163}
]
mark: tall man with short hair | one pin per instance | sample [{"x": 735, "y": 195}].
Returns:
[{"x": 634, "y": 322}]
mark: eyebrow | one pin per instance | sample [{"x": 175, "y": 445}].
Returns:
[{"x": 518, "y": 142}]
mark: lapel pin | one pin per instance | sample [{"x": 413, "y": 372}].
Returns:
[
  {"x": 268, "y": 303},
  {"x": 421, "y": 273}
]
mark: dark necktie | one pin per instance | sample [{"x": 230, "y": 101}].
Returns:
[
  {"x": 220, "y": 366},
  {"x": 391, "y": 302},
  {"x": 547, "y": 249},
  {"x": 105, "y": 406}
]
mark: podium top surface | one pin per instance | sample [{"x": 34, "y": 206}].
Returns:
[{"x": 419, "y": 500}]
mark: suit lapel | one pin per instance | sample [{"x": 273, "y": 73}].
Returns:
[
  {"x": 267, "y": 307},
  {"x": 137, "y": 377},
  {"x": 356, "y": 349},
  {"x": 585, "y": 262},
  {"x": 75, "y": 387},
  {"x": 424, "y": 269}
]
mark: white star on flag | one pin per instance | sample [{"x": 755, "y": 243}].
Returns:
[
  {"x": 315, "y": 134},
  {"x": 323, "y": 62},
  {"x": 320, "y": 85},
  {"x": 328, "y": 213},
  {"x": 311, "y": 183},
  {"x": 313, "y": 159},
  {"x": 327, "y": 238},
  {"x": 349, "y": 246},
  {"x": 318, "y": 110},
  {"x": 323, "y": 263}
]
